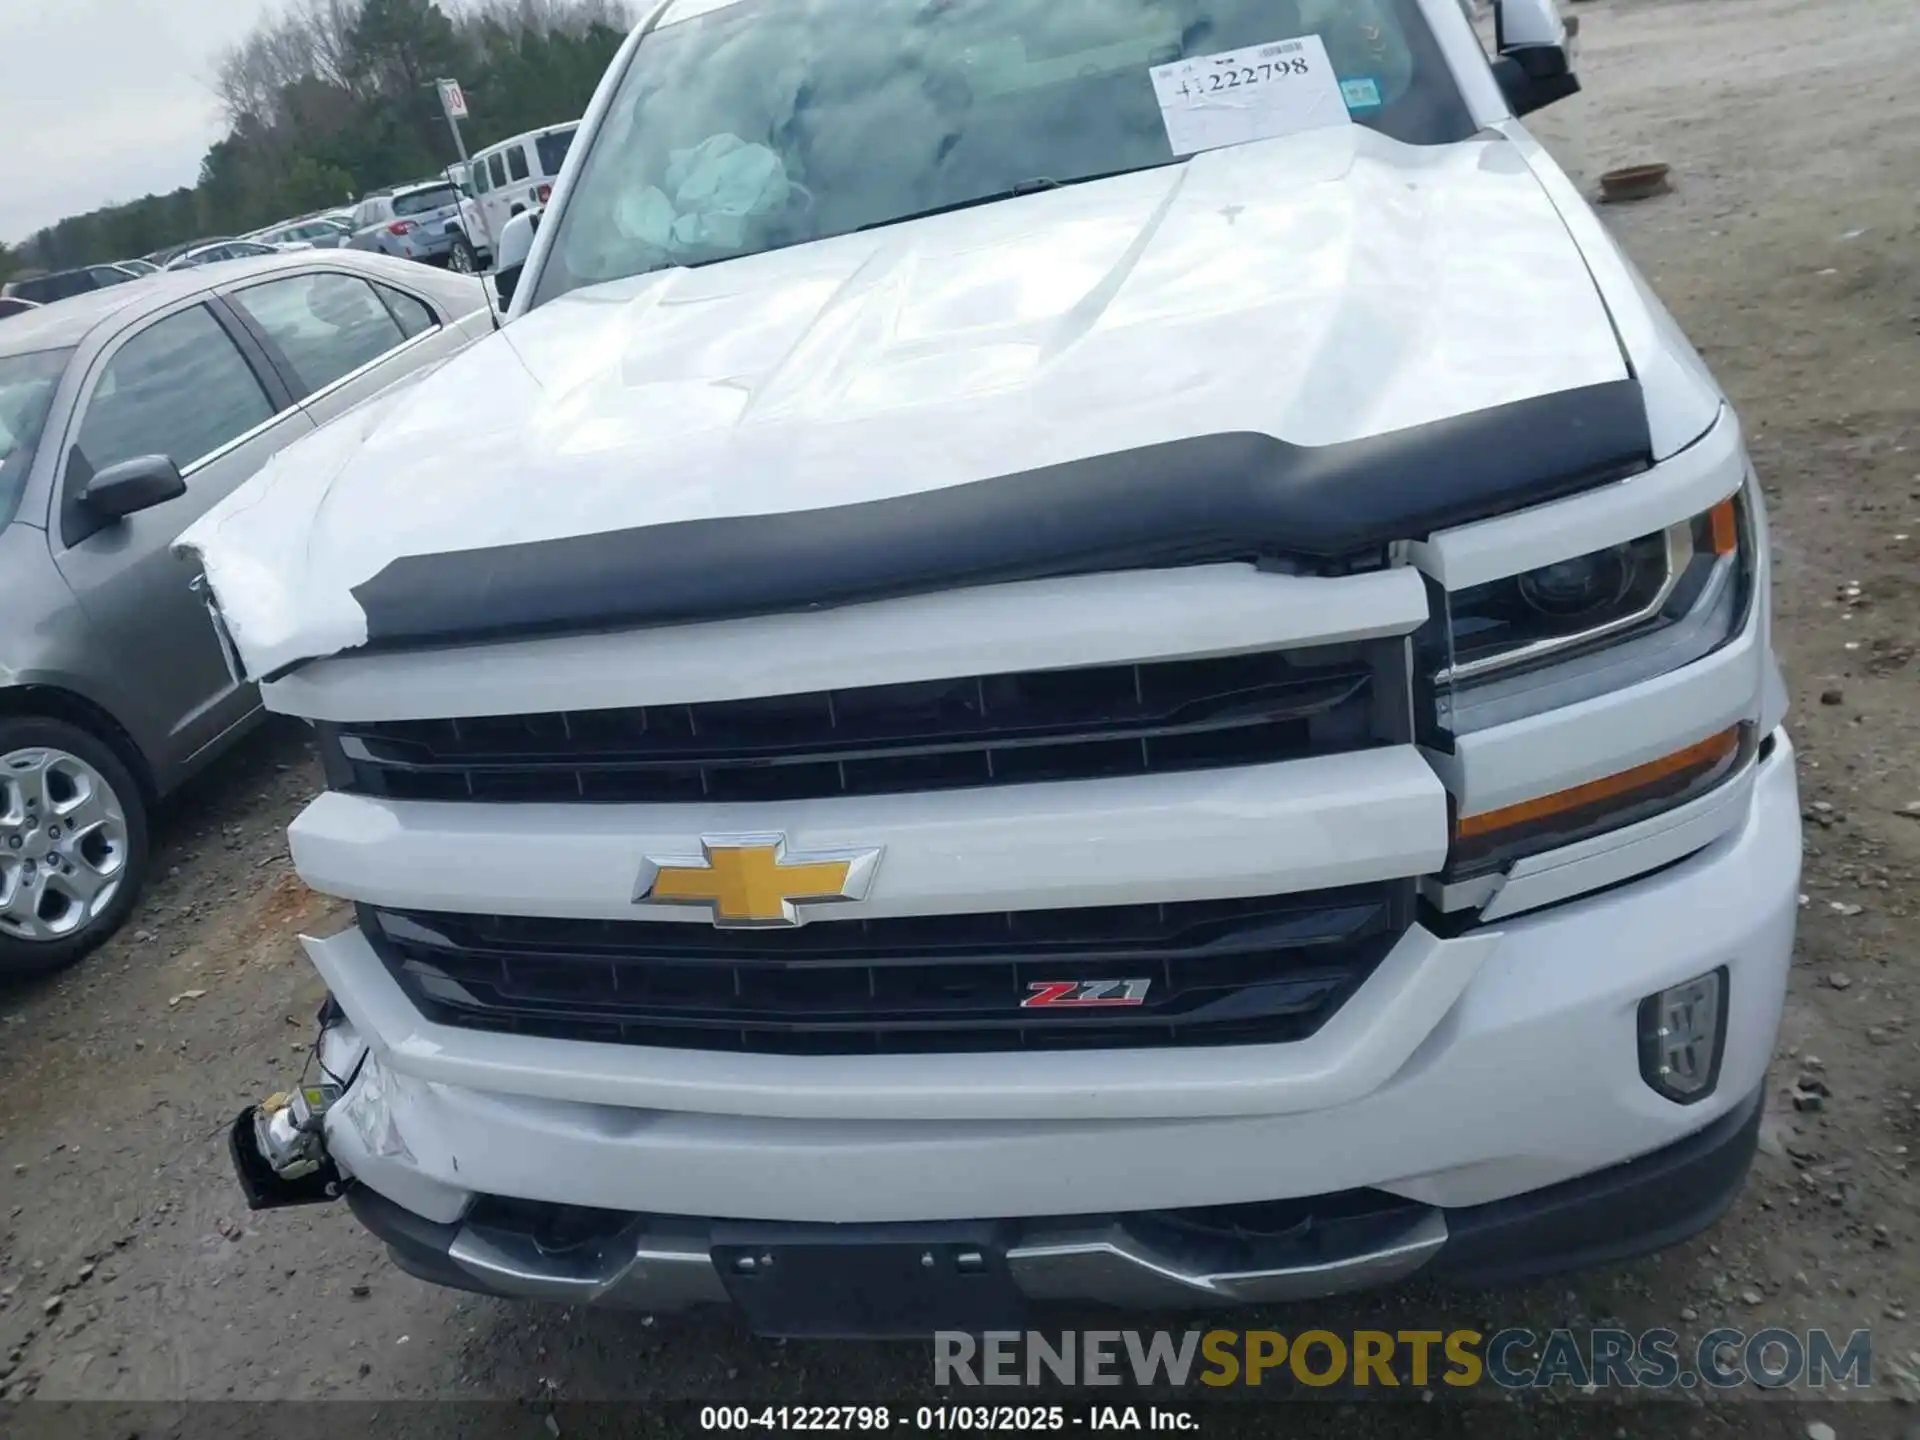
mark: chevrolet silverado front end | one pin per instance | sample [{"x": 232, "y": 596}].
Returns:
[{"x": 1015, "y": 680}]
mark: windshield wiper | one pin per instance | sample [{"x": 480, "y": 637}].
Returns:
[{"x": 1025, "y": 187}]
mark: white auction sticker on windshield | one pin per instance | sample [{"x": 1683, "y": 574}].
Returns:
[{"x": 1252, "y": 94}]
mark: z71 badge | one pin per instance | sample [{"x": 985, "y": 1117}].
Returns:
[{"x": 1085, "y": 994}]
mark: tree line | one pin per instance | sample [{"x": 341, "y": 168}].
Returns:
[{"x": 331, "y": 98}]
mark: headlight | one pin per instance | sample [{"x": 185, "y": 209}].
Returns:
[
  {"x": 1592, "y": 623},
  {"x": 1581, "y": 627}
]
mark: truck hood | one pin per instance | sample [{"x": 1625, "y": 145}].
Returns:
[{"x": 1313, "y": 292}]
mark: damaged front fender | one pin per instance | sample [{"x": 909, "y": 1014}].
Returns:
[{"x": 250, "y": 549}]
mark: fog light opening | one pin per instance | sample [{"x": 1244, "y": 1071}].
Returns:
[{"x": 1683, "y": 1031}]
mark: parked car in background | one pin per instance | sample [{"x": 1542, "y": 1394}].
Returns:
[
  {"x": 63, "y": 284},
  {"x": 14, "y": 305},
  {"x": 229, "y": 250},
  {"x": 319, "y": 233},
  {"x": 517, "y": 175},
  {"x": 472, "y": 249},
  {"x": 165, "y": 257},
  {"x": 470, "y": 253},
  {"x": 413, "y": 222},
  {"x": 124, "y": 415},
  {"x": 137, "y": 267}
]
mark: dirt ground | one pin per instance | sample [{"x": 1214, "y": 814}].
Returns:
[{"x": 1789, "y": 250}]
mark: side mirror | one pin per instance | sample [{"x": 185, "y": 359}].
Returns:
[
  {"x": 1535, "y": 63},
  {"x": 510, "y": 256},
  {"x": 132, "y": 486}
]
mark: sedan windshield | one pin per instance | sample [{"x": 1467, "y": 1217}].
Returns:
[
  {"x": 756, "y": 124},
  {"x": 26, "y": 395}
]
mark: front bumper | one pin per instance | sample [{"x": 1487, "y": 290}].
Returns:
[
  {"x": 1141, "y": 1261},
  {"x": 1512, "y": 1135}
]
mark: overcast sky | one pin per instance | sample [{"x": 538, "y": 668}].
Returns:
[{"x": 107, "y": 100}]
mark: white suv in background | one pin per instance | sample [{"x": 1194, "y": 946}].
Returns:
[{"x": 516, "y": 175}]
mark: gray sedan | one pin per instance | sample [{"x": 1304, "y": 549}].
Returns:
[
  {"x": 124, "y": 415},
  {"x": 320, "y": 234},
  {"x": 220, "y": 250}
]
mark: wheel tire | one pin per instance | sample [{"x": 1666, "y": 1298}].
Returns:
[
  {"x": 20, "y": 956},
  {"x": 460, "y": 259}
]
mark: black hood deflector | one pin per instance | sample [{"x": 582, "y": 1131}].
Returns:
[{"x": 1208, "y": 498}]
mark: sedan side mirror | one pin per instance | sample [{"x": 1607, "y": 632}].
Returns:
[
  {"x": 132, "y": 486},
  {"x": 1535, "y": 63},
  {"x": 516, "y": 243}
]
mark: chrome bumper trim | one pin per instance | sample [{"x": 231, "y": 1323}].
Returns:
[
  {"x": 1115, "y": 1268},
  {"x": 646, "y": 1272},
  {"x": 665, "y": 1272}
]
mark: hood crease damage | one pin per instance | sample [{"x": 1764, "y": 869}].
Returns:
[{"x": 1315, "y": 292}]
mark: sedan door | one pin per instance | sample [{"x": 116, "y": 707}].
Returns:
[
  {"x": 342, "y": 339},
  {"x": 321, "y": 235},
  {"x": 190, "y": 385}
]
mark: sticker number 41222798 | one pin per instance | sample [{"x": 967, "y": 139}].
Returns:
[
  {"x": 1210, "y": 101},
  {"x": 1246, "y": 72}
]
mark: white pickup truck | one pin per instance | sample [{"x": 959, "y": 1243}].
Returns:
[{"x": 1062, "y": 651}]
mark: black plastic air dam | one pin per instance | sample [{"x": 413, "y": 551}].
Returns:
[{"x": 1209, "y": 498}]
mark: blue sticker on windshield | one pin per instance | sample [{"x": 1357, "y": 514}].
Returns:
[{"x": 1362, "y": 94}]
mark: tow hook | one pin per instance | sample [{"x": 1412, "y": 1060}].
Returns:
[{"x": 280, "y": 1151}]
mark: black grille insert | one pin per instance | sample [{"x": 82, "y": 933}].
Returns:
[
  {"x": 1221, "y": 972},
  {"x": 1101, "y": 721}
]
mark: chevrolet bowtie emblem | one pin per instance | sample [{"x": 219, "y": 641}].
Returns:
[{"x": 752, "y": 881}]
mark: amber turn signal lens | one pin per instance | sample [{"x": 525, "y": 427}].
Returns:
[
  {"x": 1724, "y": 523},
  {"x": 1707, "y": 752}
]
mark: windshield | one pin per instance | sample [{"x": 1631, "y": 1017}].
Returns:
[
  {"x": 763, "y": 123},
  {"x": 553, "y": 149},
  {"x": 419, "y": 202},
  {"x": 26, "y": 394}
]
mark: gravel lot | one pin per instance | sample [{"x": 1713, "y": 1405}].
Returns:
[{"x": 1790, "y": 250}]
